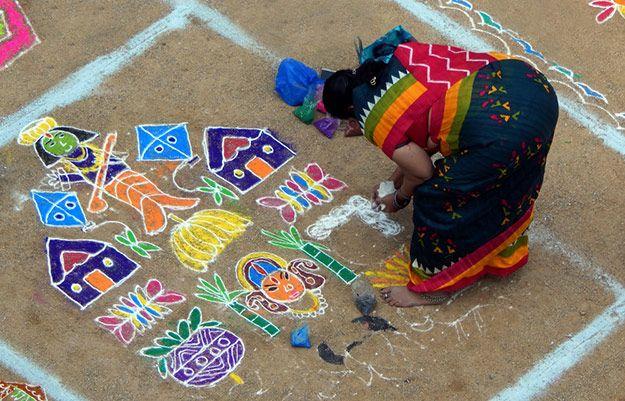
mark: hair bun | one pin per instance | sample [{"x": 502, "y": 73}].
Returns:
[{"x": 369, "y": 72}]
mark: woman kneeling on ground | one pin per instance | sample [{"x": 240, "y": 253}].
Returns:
[{"x": 491, "y": 118}]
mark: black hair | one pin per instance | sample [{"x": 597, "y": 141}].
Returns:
[{"x": 339, "y": 87}]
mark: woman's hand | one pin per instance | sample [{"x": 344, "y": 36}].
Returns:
[
  {"x": 386, "y": 204},
  {"x": 391, "y": 203},
  {"x": 397, "y": 177}
]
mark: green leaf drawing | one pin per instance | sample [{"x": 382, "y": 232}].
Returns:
[
  {"x": 142, "y": 248},
  {"x": 122, "y": 240},
  {"x": 228, "y": 193},
  {"x": 295, "y": 234},
  {"x": 168, "y": 342},
  {"x": 270, "y": 234},
  {"x": 148, "y": 246},
  {"x": 286, "y": 236},
  {"x": 220, "y": 285},
  {"x": 217, "y": 190},
  {"x": 155, "y": 352},
  {"x": 183, "y": 329},
  {"x": 173, "y": 334},
  {"x": 195, "y": 318},
  {"x": 211, "y": 323},
  {"x": 283, "y": 239},
  {"x": 217, "y": 198},
  {"x": 137, "y": 249},
  {"x": 131, "y": 236},
  {"x": 232, "y": 295},
  {"x": 210, "y": 298},
  {"x": 282, "y": 245},
  {"x": 209, "y": 182},
  {"x": 162, "y": 367},
  {"x": 209, "y": 286}
]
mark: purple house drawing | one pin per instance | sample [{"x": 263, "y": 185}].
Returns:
[
  {"x": 244, "y": 157},
  {"x": 83, "y": 270}
]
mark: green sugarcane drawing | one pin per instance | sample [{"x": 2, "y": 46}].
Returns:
[
  {"x": 218, "y": 293},
  {"x": 293, "y": 240}
]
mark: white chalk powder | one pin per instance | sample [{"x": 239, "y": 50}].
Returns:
[{"x": 386, "y": 188}]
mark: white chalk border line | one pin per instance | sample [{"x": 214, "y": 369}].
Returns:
[{"x": 84, "y": 81}]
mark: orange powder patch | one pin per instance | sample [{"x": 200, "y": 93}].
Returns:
[
  {"x": 99, "y": 281},
  {"x": 259, "y": 167}
]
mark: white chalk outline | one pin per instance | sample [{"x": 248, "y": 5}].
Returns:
[
  {"x": 323, "y": 227},
  {"x": 553, "y": 365},
  {"x": 83, "y": 82}
]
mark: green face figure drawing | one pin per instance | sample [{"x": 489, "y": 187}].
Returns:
[
  {"x": 82, "y": 161},
  {"x": 60, "y": 143}
]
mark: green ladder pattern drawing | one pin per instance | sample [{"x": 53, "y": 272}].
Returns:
[{"x": 254, "y": 318}]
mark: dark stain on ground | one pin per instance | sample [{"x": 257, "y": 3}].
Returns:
[
  {"x": 352, "y": 345},
  {"x": 374, "y": 323},
  {"x": 326, "y": 353}
]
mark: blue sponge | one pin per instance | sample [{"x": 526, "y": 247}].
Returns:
[{"x": 300, "y": 338}]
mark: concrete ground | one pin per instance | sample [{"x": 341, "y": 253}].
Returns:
[{"x": 551, "y": 331}]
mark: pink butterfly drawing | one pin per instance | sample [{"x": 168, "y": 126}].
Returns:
[
  {"x": 139, "y": 310},
  {"x": 302, "y": 190}
]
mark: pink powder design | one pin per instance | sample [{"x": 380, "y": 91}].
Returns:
[{"x": 20, "y": 35}]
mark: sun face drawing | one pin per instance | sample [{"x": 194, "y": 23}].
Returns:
[{"x": 609, "y": 8}]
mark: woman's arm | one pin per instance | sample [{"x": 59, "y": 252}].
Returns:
[{"x": 416, "y": 166}]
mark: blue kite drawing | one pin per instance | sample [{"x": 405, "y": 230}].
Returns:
[
  {"x": 59, "y": 209},
  {"x": 163, "y": 142}
]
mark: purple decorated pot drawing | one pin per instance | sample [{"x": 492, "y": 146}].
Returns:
[
  {"x": 198, "y": 354},
  {"x": 206, "y": 357}
]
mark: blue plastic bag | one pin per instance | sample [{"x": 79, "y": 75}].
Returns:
[
  {"x": 383, "y": 48},
  {"x": 295, "y": 80}
]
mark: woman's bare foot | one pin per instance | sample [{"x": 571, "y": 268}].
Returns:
[{"x": 402, "y": 297}]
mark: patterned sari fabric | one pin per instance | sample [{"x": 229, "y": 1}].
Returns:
[
  {"x": 494, "y": 120},
  {"x": 496, "y": 127},
  {"x": 395, "y": 109}
]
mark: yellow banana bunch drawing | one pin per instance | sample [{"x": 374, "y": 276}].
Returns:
[{"x": 200, "y": 239}]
